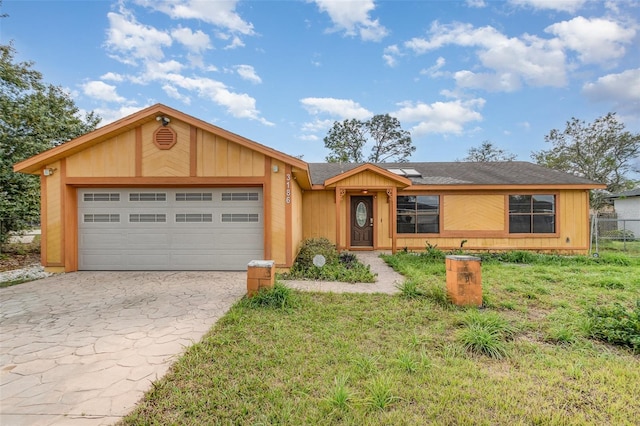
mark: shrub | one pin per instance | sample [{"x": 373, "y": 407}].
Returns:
[
  {"x": 616, "y": 325},
  {"x": 344, "y": 267},
  {"x": 618, "y": 235},
  {"x": 313, "y": 247}
]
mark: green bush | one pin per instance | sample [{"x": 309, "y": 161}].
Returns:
[
  {"x": 616, "y": 325},
  {"x": 618, "y": 235},
  {"x": 343, "y": 267}
]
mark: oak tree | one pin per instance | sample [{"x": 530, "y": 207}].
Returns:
[
  {"x": 34, "y": 116},
  {"x": 382, "y": 133}
]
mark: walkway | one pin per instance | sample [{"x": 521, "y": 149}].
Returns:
[{"x": 387, "y": 279}]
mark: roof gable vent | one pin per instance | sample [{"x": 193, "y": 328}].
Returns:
[{"x": 164, "y": 137}]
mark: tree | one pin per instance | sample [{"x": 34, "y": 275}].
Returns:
[
  {"x": 34, "y": 116},
  {"x": 601, "y": 151},
  {"x": 487, "y": 152},
  {"x": 347, "y": 139}
]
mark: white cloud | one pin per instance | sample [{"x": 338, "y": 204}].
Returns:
[
  {"x": 440, "y": 117},
  {"x": 240, "y": 105},
  {"x": 101, "y": 91},
  {"x": 342, "y": 108},
  {"x": 353, "y": 18},
  {"x": 596, "y": 40},
  {"x": 194, "y": 41},
  {"x": 247, "y": 72},
  {"x": 172, "y": 92},
  {"x": 221, "y": 13},
  {"x": 109, "y": 115},
  {"x": 112, "y": 76},
  {"x": 558, "y": 5},
  {"x": 134, "y": 40},
  {"x": 390, "y": 55},
  {"x": 476, "y": 3},
  {"x": 509, "y": 61},
  {"x": 434, "y": 70},
  {"x": 622, "y": 89}
]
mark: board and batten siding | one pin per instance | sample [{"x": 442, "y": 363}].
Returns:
[
  {"x": 481, "y": 219},
  {"x": 198, "y": 154}
]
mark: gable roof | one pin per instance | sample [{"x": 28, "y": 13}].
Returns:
[
  {"x": 401, "y": 180},
  {"x": 464, "y": 173},
  {"x": 35, "y": 163}
]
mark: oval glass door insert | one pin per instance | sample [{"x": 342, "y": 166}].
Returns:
[{"x": 361, "y": 214}]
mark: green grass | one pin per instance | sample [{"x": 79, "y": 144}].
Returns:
[{"x": 527, "y": 357}]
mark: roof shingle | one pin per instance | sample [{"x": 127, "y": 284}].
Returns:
[{"x": 463, "y": 173}]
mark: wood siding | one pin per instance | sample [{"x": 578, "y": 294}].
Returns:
[
  {"x": 473, "y": 213},
  {"x": 131, "y": 158},
  {"x": 481, "y": 219}
]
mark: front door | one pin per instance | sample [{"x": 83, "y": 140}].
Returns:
[{"x": 362, "y": 221}]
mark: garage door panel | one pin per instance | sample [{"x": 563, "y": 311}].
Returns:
[{"x": 169, "y": 229}]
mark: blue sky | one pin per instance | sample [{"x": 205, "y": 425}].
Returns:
[{"x": 455, "y": 73}]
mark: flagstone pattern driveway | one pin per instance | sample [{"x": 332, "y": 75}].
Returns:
[{"x": 82, "y": 348}]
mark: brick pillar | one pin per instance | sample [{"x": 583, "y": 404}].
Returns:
[
  {"x": 260, "y": 274},
  {"x": 464, "y": 280}
]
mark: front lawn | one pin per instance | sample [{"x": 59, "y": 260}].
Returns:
[{"x": 529, "y": 357}]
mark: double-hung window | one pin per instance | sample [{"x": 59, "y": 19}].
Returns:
[
  {"x": 418, "y": 214},
  {"x": 532, "y": 214}
]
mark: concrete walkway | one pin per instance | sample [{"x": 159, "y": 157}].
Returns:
[
  {"x": 386, "y": 282},
  {"x": 82, "y": 348}
]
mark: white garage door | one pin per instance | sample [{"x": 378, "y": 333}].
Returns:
[{"x": 169, "y": 229}]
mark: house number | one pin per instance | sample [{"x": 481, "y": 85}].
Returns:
[{"x": 288, "y": 189}]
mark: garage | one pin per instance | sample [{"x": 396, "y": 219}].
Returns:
[{"x": 169, "y": 228}]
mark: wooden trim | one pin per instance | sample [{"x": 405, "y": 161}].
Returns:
[
  {"x": 33, "y": 164},
  {"x": 339, "y": 193},
  {"x": 394, "y": 219},
  {"x": 504, "y": 187},
  {"x": 493, "y": 249},
  {"x": 138, "y": 152},
  {"x": 556, "y": 206},
  {"x": 368, "y": 167},
  {"x": 288, "y": 231},
  {"x": 64, "y": 213},
  {"x": 166, "y": 181},
  {"x": 43, "y": 219},
  {"x": 71, "y": 229},
  {"x": 266, "y": 197},
  {"x": 193, "y": 150}
]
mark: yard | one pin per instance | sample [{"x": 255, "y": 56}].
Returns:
[{"x": 527, "y": 357}]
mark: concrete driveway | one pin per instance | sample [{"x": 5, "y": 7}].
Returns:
[{"x": 82, "y": 348}]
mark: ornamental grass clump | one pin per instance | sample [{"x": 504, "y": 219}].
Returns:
[{"x": 485, "y": 334}]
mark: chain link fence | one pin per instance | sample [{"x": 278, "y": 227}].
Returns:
[{"x": 612, "y": 234}]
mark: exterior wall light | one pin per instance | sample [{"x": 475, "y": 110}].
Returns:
[
  {"x": 275, "y": 169},
  {"x": 48, "y": 171}
]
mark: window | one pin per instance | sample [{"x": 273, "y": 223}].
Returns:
[
  {"x": 240, "y": 196},
  {"x": 418, "y": 214},
  {"x": 239, "y": 217},
  {"x": 101, "y": 196},
  {"x": 194, "y": 217},
  {"x": 532, "y": 214},
  {"x": 148, "y": 196},
  {"x": 101, "y": 218},
  {"x": 147, "y": 217},
  {"x": 194, "y": 196}
]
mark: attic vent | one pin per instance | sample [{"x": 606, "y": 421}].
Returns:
[{"x": 164, "y": 137}]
